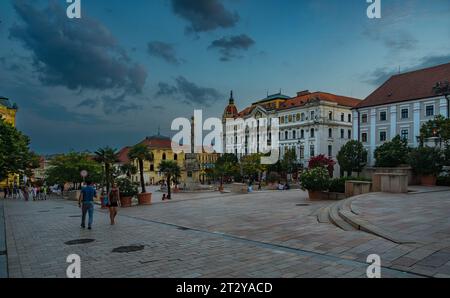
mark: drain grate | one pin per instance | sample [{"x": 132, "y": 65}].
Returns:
[
  {"x": 130, "y": 248},
  {"x": 2, "y": 252},
  {"x": 79, "y": 241}
]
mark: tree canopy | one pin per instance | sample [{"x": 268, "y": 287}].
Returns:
[
  {"x": 15, "y": 154},
  {"x": 352, "y": 157}
]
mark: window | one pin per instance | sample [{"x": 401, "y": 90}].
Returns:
[
  {"x": 302, "y": 134},
  {"x": 302, "y": 152},
  {"x": 383, "y": 136},
  {"x": 364, "y": 137},
  {"x": 364, "y": 118},
  {"x": 298, "y": 116},
  {"x": 342, "y": 133},
  {"x": 175, "y": 157},
  {"x": 312, "y": 133},
  {"x": 430, "y": 111},
  {"x": 290, "y": 118},
  {"x": 282, "y": 120},
  {"x": 303, "y": 117},
  {"x": 286, "y": 135},
  {"x": 330, "y": 116},
  {"x": 405, "y": 134},
  {"x": 286, "y": 119},
  {"x": 330, "y": 133},
  {"x": 330, "y": 150},
  {"x": 311, "y": 150},
  {"x": 164, "y": 157},
  {"x": 342, "y": 117},
  {"x": 312, "y": 115},
  {"x": 405, "y": 113},
  {"x": 350, "y": 118},
  {"x": 152, "y": 168},
  {"x": 383, "y": 116},
  {"x": 349, "y": 134},
  {"x": 294, "y": 134}
]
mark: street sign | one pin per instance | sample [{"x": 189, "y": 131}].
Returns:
[{"x": 84, "y": 173}]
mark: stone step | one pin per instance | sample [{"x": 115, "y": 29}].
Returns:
[{"x": 337, "y": 220}]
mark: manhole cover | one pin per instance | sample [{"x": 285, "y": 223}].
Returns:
[
  {"x": 79, "y": 241},
  {"x": 2, "y": 252},
  {"x": 183, "y": 228},
  {"x": 302, "y": 205},
  {"x": 131, "y": 248}
]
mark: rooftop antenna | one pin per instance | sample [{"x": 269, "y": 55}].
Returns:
[{"x": 159, "y": 130}]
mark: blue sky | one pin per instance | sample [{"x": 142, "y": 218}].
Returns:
[{"x": 128, "y": 67}]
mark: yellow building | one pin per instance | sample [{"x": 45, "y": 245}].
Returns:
[{"x": 8, "y": 114}]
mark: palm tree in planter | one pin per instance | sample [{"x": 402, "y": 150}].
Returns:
[
  {"x": 128, "y": 170},
  {"x": 141, "y": 153},
  {"x": 171, "y": 171},
  {"x": 107, "y": 157}
]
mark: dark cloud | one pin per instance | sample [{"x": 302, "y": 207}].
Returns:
[
  {"x": 189, "y": 92},
  {"x": 88, "y": 103},
  {"x": 159, "y": 107},
  {"x": 116, "y": 104},
  {"x": 164, "y": 51},
  {"x": 79, "y": 54},
  {"x": 204, "y": 15},
  {"x": 381, "y": 75},
  {"x": 394, "y": 40},
  {"x": 229, "y": 45}
]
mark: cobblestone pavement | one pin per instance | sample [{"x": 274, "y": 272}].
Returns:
[{"x": 266, "y": 234}]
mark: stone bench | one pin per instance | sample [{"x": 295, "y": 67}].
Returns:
[
  {"x": 390, "y": 182},
  {"x": 239, "y": 188},
  {"x": 355, "y": 188}
]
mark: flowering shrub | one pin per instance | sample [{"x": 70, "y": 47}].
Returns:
[
  {"x": 315, "y": 179},
  {"x": 323, "y": 162}
]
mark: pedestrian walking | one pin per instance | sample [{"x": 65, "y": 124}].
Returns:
[
  {"x": 86, "y": 203},
  {"x": 113, "y": 203}
]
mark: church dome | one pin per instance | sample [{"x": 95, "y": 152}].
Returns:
[{"x": 231, "y": 110}]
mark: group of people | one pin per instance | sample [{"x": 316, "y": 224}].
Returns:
[
  {"x": 26, "y": 192},
  {"x": 86, "y": 203}
]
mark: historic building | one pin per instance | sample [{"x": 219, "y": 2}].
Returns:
[
  {"x": 401, "y": 106},
  {"x": 311, "y": 123},
  {"x": 8, "y": 113}
]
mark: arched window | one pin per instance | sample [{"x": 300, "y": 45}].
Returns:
[
  {"x": 302, "y": 134},
  {"x": 330, "y": 115},
  {"x": 286, "y": 135},
  {"x": 294, "y": 134},
  {"x": 312, "y": 132},
  {"x": 330, "y": 133},
  {"x": 164, "y": 157},
  {"x": 175, "y": 157}
]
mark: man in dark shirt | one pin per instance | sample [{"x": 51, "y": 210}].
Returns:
[{"x": 86, "y": 203}]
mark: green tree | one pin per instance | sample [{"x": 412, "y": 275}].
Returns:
[
  {"x": 227, "y": 165},
  {"x": 107, "y": 157},
  {"x": 352, "y": 157},
  {"x": 393, "y": 153},
  {"x": 289, "y": 164},
  {"x": 437, "y": 127},
  {"x": 251, "y": 165},
  {"x": 171, "y": 171},
  {"x": 142, "y": 153},
  {"x": 15, "y": 154},
  {"x": 67, "y": 168},
  {"x": 128, "y": 170}
]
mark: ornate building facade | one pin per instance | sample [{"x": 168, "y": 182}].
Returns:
[{"x": 310, "y": 123}]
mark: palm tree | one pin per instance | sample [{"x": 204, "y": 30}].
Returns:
[
  {"x": 107, "y": 156},
  {"x": 171, "y": 171},
  {"x": 128, "y": 170},
  {"x": 141, "y": 152}
]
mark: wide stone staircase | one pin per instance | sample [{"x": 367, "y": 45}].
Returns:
[{"x": 341, "y": 215}]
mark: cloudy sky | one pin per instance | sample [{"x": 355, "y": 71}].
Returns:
[{"x": 127, "y": 67}]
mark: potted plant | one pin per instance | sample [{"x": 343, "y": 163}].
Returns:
[
  {"x": 141, "y": 153},
  {"x": 315, "y": 181},
  {"x": 127, "y": 190},
  {"x": 427, "y": 162}
]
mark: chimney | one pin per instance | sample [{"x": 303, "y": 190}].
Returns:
[{"x": 302, "y": 93}]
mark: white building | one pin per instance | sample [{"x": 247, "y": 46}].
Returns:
[
  {"x": 401, "y": 106},
  {"x": 310, "y": 123}
]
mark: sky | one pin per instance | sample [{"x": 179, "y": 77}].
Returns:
[{"x": 127, "y": 68}]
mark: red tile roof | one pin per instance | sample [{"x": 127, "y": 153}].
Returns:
[
  {"x": 305, "y": 97},
  {"x": 123, "y": 155},
  {"x": 158, "y": 142},
  {"x": 408, "y": 86}
]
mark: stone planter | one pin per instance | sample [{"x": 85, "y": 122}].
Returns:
[
  {"x": 145, "y": 198},
  {"x": 428, "y": 180},
  {"x": 315, "y": 195},
  {"x": 125, "y": 202}
]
